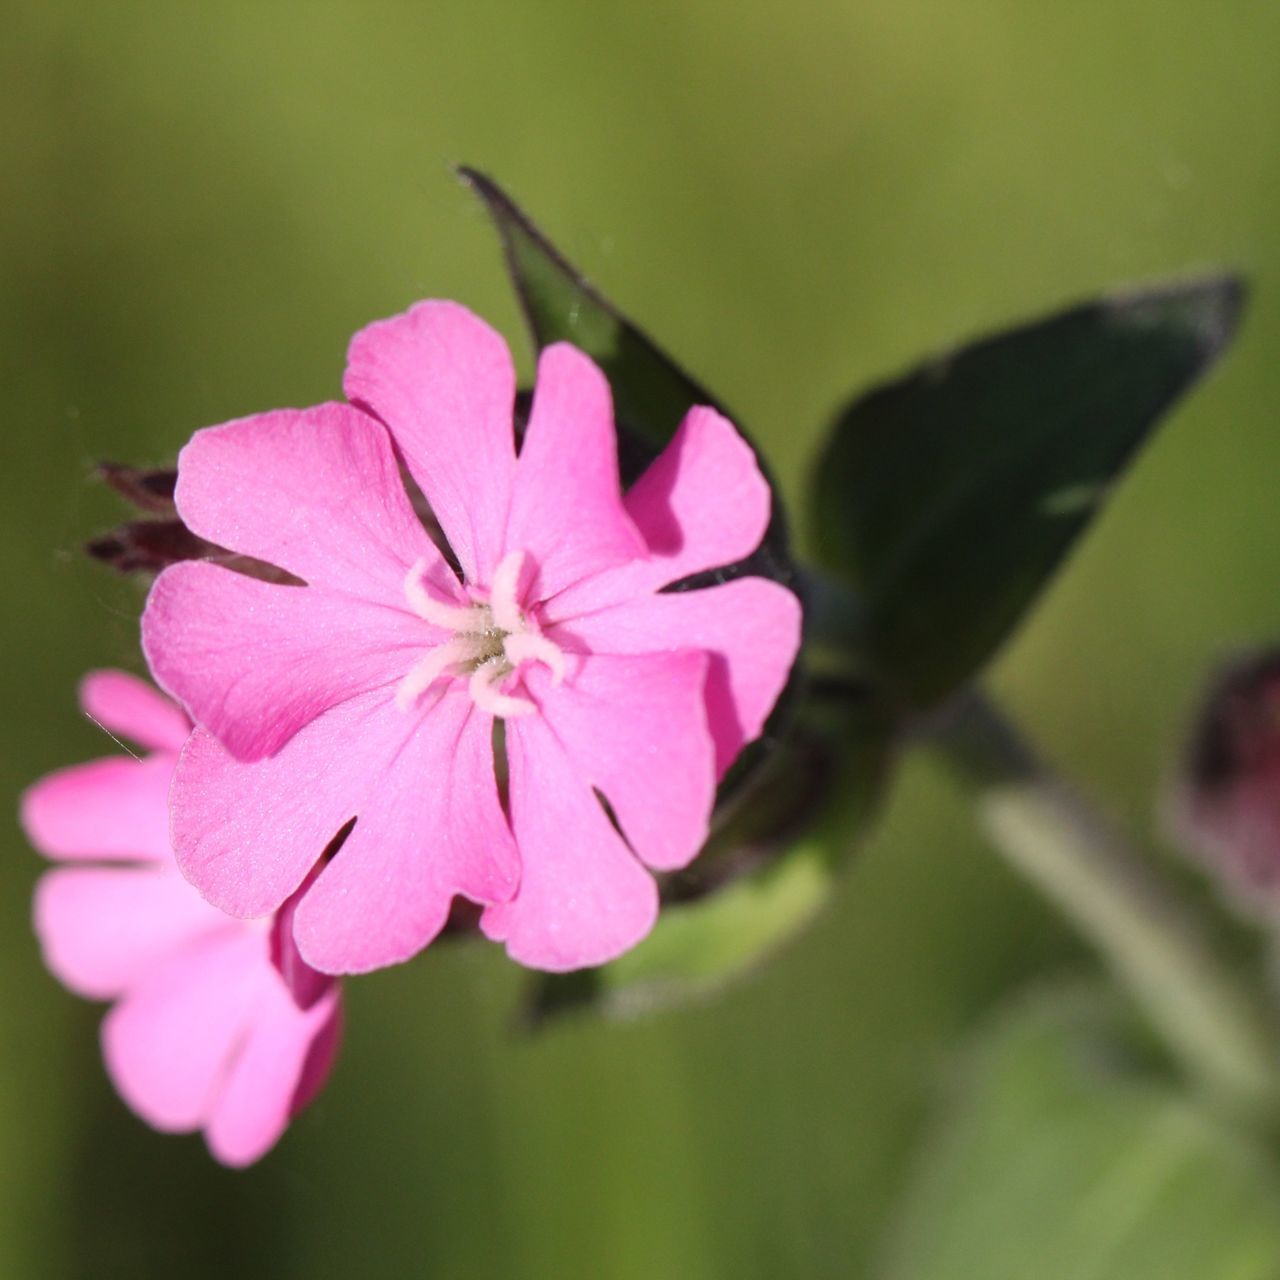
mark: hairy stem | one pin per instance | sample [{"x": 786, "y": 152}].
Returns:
[{"x": 1148, "y": 936}]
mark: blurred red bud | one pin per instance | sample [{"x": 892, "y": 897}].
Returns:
[{"x": 1226, "y": 803}]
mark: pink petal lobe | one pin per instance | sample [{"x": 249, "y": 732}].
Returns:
[
  {"x": 247, "y": 835},
  {"x": 314, "y": 491},
  {"x": 702, "y": 504},
  {"x": 126, "y": 705},
  {"x": 566, "y": 508},
  {"x": 169, "y": 1043},
  {"x": 253, "y": 662},
  {"x": 583, "y": 897},
  {"x": 321, "y": 1055},
  {"x": 304, "y": 984},
  {"x": 432, "y": 828},
  {"x": 443, "y": 382},
  {"x": 115, "y": 808},
  {"x": 750, "y": 627},
  {"x": 256, "y": 1101},
  {"x": 636, "y": 728},
  {"x": 102, "y": 929}
]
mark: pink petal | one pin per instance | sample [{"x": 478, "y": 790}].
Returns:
[
  {"x": 113, "y": 808},
  {"x": 702, "y": 504},
  {"x": 169, "y": 1043},
  {"x": 583, "y": 899},
  {"x": 443, "y": 382},
  {"x": 103, "y": 929},
  {"x": 320, "y": 1058},
  {"x": 126, "y": 705},
  {"x": 255, "y": 661},
  {"x": 566, "y": 507},
  {"x": 636, "y": 729},
  {"x": 314, "y": 491},
  {"x": 433, "y": 828},
  {"x": 304, "y": 984},
  {"x": 247, "y": 835},
  {"x": 751, "y": 628},
  {"x": 256, "y": 1100}
]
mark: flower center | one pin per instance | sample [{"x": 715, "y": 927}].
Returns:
[{"x": 490, "y": 639}]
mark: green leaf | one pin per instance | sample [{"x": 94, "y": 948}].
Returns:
[
  {"x": 759, "y": 883},
  {"x": 651, "y": 392},
  {"x": 948, "y": 497},
  {"x": 1060, "y": 1159}
]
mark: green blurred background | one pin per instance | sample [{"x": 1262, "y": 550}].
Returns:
[{"x": 202, "y": 202}]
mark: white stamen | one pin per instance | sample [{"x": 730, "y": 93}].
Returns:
[
  {"x": 530, "y": 646},
  {"x": 490, "y": 638},
  {"x": 440, "y": 613},
  {"x": 431, "y": 666},
  {"x": 502, "y": 598},
  {"x": 484, "y": 692}
]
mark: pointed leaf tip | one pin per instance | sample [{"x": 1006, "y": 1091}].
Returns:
[
  {"x": 651, "y": 392},
  {"x": 1209, "y": 309},
  {"x": 947, "y": 497}
]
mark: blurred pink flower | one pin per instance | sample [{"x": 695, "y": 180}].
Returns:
[
  {"x": 218, "y": 1024},
  {"x": 372, "y": 691}
]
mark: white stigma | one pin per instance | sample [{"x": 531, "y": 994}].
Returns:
[{"x": 490, "y": 639}]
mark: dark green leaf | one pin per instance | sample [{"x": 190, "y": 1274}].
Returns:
[
  {"x": 651, "y": 392},
  {"x": 1060, "y": 1159},
  {"x": 949, "y": 496}
]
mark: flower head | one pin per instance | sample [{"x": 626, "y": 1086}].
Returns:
[
  {"x": 217, "y": 1023},
  {"x": 372, "y": 692}
]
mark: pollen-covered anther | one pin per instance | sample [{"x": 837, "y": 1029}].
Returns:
[
  {"x": 440, "y": 613},
  {"x": 483, "y": 688},
  {"x": 457, "y": 653},
  {"x": 532, "y": 646},
  {"x": 492, "y": 637}
]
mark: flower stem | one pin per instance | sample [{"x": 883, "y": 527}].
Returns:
[{"x": 1210, "y": 1022}]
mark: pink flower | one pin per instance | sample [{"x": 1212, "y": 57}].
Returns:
[
  {"x": 218, "y": 1024},
  {"x": 372, "y": 691}
]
